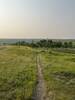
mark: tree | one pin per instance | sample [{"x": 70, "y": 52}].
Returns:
[
  {"x": 65, "y": 44},
  {"x": 59, "y": 44},
  {"x": 70, "y": 44},
  {"x": 50, "y": 43}
]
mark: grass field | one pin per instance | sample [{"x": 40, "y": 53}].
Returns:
[
  {"x": 17, "y": 73},
  {"x": 59, "y": 74}
]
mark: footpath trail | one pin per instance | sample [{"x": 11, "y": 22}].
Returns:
[{"x": 40, "y": 93}]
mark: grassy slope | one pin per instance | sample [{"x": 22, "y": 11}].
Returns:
[
  {"x": 17, "y": 73},
  {"x": 59, "y": 73}
]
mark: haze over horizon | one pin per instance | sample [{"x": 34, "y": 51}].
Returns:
[{"x": 37, "y": 19}]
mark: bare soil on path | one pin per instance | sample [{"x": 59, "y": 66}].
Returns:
[{"x": 40, "y": 93}]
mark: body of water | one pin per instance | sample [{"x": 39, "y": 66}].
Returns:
[{"x": 9, "y": 41}]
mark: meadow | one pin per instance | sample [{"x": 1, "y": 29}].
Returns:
[
  {"x": 17, "y": 73},
  {"x": 59, "y": 73}
]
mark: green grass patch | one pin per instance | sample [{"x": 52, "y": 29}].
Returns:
[
  {"x": 17, "y": 73},
  {"x": 59, "y": 74}
]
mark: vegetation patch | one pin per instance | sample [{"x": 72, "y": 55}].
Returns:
[
  {"x": 71, "y": 59},
  {"x": 65, "y": 76},
  {"x": 59, "y": 74},
  {"x": 17, "y": 73}
]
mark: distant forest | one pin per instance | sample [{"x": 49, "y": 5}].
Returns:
[{"x": 47, "y": 44}]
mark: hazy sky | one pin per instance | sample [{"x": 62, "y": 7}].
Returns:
[{"x": 37, "y": 18}]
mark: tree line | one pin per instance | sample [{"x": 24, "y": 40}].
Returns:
[{"x": 47, "y": 43}]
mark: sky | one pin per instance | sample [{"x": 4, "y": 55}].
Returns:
[{"x": 54, "y": 19}]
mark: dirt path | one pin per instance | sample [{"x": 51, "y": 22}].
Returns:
[{"x": 40, "y": 93}]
